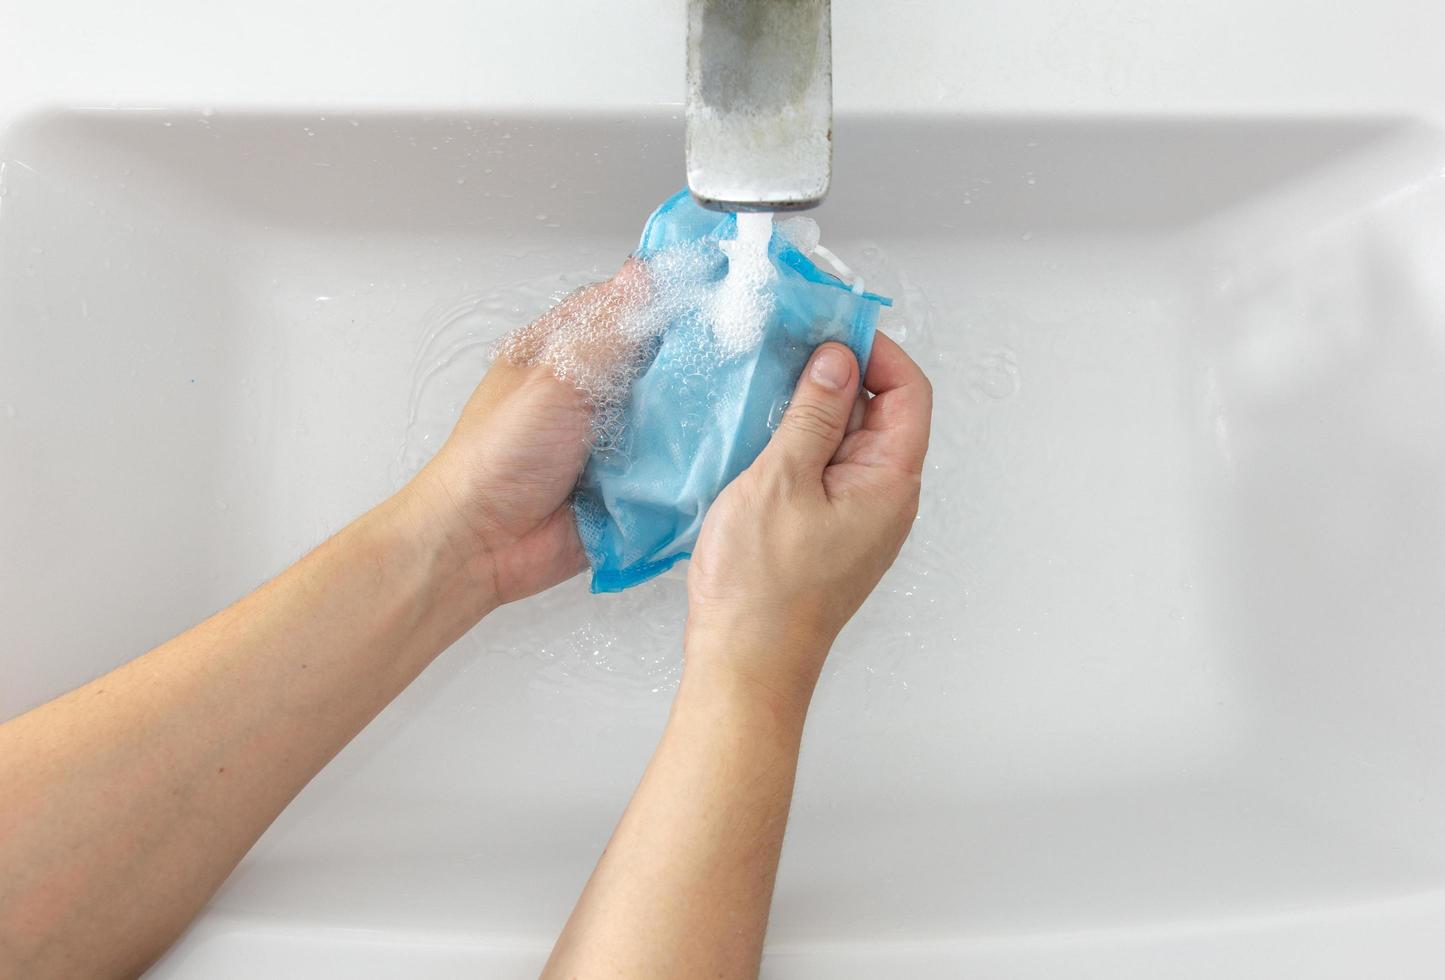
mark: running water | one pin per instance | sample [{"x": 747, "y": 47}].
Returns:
[{"x": 744, "y": 300}]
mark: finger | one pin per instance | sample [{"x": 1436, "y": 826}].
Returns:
[
  {"x": 851, "y": 436},
  {"x": 889, "y": 367},
  {"x": 817, "y": 417},
  {"x": 901, "y": 408},
  {"x": 860, "y": 406}
]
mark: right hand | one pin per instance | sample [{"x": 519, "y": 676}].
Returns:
[{"x": 793, "y": 546}]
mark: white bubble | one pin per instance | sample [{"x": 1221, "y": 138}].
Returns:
[{"x": 601, "y": 338}]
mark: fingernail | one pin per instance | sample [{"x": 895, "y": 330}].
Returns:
[{"x": 830, "y": 368}]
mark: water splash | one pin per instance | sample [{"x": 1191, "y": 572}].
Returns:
[{"x": 626, "y": 645}]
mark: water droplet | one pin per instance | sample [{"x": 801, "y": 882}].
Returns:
[{"x": 776, "y": 413}]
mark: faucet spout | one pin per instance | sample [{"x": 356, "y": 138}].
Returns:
[{"x": 759, "y": 103}]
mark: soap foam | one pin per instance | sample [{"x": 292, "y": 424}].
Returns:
[
  {"x": 801, "y": 231},
  {"x": 600, "y": 338},
  {"x": 596, "y": 339}
]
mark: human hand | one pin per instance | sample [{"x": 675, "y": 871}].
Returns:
[
  {"x": 499, "y": 486},
  {"x": 793, "y": 546}
]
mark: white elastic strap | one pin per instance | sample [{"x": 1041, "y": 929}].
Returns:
[{"x": 840, "y": 268}]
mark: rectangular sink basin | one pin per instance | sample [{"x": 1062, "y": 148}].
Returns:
[{"x": 1155, "y": 686}]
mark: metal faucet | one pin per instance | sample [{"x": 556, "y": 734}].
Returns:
[{"x": 759, "y": 103}]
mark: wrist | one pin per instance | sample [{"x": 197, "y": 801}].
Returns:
[
  {"x": 420, "y": 548},
  {"x": 746, "y": 671},
  {"x": 727, "y": 700}
]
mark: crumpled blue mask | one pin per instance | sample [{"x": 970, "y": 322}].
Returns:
[{"x": 688, "y": 433}]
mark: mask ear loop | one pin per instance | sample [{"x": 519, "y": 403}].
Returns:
[{"x": 840, "y": 269}]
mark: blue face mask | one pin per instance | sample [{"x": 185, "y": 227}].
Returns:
[{"x": 701, "y": 411}]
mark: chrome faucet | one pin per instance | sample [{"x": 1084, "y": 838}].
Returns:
[{"x": 759, "y": 103}]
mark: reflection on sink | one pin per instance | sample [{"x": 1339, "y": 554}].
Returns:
[{"x": 1163, "y": 647}]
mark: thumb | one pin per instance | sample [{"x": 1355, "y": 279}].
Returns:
[{"x": 817, "y": 417}]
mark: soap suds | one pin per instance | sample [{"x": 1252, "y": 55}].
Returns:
[
  {"x": 602, "y": 337},
  {"x": 801, "y": 231},
  {"x": 599, "y": 339}
]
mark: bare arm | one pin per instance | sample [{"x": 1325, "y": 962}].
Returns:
[
  {"x": 124, "y": 804},
  {"x": 129, "y": 800},
  {"x": 786, "y": 556},
  {"x": 684, "y": 886}
]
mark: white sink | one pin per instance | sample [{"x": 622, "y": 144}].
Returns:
[{"x": 1154, "y": 689}]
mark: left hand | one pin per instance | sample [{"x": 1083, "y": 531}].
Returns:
[{"x": 500, "y": 484}]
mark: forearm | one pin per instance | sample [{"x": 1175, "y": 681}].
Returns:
[
  {"x": 684, "y": 886},
  {"x": 129, "y": 800}
]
